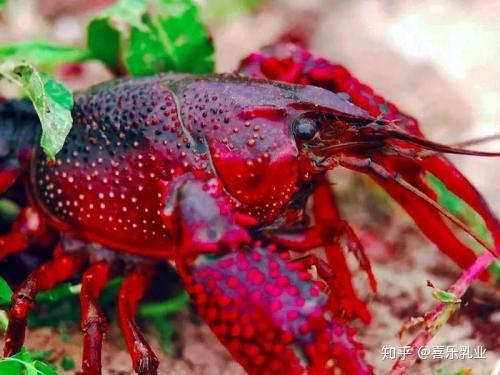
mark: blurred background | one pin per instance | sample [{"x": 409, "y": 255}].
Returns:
[{"x": 438, "y": 60}]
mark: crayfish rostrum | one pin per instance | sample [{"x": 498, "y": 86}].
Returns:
[{"x": 214, "y": 173}]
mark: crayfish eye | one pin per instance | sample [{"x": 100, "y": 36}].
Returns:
[{"x": 305, "y": 128}]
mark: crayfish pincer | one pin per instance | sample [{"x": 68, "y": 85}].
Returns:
[{"x": 214, "y": 173}]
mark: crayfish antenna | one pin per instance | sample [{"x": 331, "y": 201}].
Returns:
[
  {"x": 437, "y": 147},
  {"x": 270, "y": 315},
  {"x": 384, "y": 174},
  {"x": 406, "y": 185},
  {"x": 431, "y": 161},
  {"x": 460, "y": 145},
  {"x": 416, "y": 165},
  {"x": 455, "y": 182}
]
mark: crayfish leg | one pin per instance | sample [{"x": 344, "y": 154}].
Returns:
[
  {"x": 9, "y": 174},
  {"x": 45, "y": 277},
  {"x": 11, "y": 243},
  {"x": 335, "y": 236},
  {"x": 144, "y": 360},
  {"x": 327, "y": 214},
  {"x": 29, "y": 227},
  {"x": 93, "y": 322}
]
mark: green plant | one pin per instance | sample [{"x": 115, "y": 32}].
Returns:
[
  {"x": 132, "y": 37},
  {"x": 24, "y": 363}
]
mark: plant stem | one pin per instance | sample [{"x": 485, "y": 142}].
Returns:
[
  {"x": 169, "y": 306},
  {"x": 436, "y": 318}
]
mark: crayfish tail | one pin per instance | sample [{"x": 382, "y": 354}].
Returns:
[{"x": 269, "y": 315}]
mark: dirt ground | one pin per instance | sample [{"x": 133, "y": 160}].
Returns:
[{"x": 438, "y": 60}]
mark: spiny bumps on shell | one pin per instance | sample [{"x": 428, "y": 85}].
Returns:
[{"x": 259, "y": 292}]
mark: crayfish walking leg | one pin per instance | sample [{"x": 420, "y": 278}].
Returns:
[
  {"x": 93, "y": 322},
  {"x": 46, "y": 277},
  {"x": 336, "y": 236},
  {"x": 132, "y": 290},
  {"x": 19, "y": 127},
  {"x": 28, "y": 228}
]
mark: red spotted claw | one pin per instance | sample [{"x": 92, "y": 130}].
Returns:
[{"x": 270, "y": 315}]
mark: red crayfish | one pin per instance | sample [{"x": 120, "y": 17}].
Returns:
[{"x": 214, "y": 173}]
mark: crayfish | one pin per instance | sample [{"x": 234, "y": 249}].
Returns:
[{"x": 225, "y": 175}]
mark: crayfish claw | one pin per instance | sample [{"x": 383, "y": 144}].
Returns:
[
  {"x": 147, "y": 365},
  {"x": 271, "y": 316}
]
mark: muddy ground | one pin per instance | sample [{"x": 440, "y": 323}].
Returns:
[{"x": 438, "y": 60}]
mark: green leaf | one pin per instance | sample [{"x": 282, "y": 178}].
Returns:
[
  {"x": 22, "y": 355},
  {"x": 10, "y": 367},
  {"x": 459, "y": 208},
  {"x": 41, "y": 355},
  {"x": 67, "y": 363},
  {"x": 495, "y": 269},
  {"x": 175, "y": 40},
  {"x": 2, "y": 4},
  {"x": 51, "y": 99},
  {"x": 15, "y": 364},
  {"x": 149, "y": 37},
  {"x": 162, "y": 308},
  {"x": 58, "y": 293},
  {"x": 221, "y": 10},
  {"x": 8, "y": 209},
  {"x": 445, "y": 296},
  {"x": 446, "y": 371},
  {"x": 5, "y": 292},
  {"x": 4, "y": 320},
  {"x": 106, "y": 31},
  {"x": 125, "y": 13},
  {"x": 43, "y": 368},
  {"x": 43, "y": 54},
  {"x": 465, "y": 213},
  {"x": 60, "y": 306},
  {"x": 156, "y": 313},
  {"x": 166, "y": 331}
]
